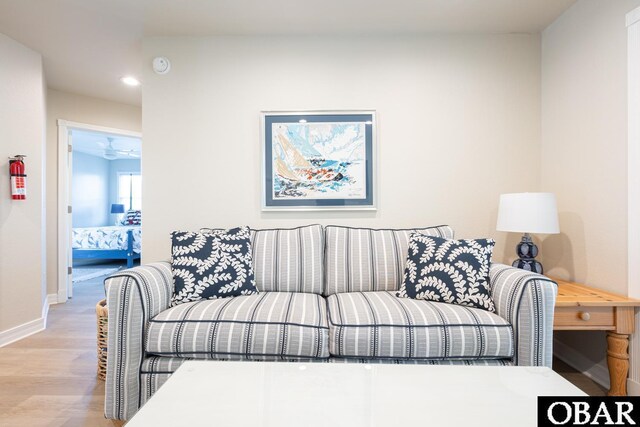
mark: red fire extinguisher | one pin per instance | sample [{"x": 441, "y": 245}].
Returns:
[{"x": 18, "y": 177}]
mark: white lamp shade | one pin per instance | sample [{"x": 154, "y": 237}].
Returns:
[{"x": 528, "y": 213}]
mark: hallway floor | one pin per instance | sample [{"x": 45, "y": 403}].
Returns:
[{"x": 49, "y": 379}]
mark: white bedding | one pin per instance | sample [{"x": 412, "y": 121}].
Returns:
[{"x": 113, "y": 237}]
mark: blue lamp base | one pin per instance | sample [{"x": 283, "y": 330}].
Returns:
[{"x": 527, "y": 251}]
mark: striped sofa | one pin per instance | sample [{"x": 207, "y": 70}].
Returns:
[{"x": 327, "y": 294}]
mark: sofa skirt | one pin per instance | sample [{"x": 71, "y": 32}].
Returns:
[{"x": 156, "y": 370}]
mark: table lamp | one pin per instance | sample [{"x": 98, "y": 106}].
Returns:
[
  {"x": 117, "y": 208},
  {"x": 528, "y": 213}
]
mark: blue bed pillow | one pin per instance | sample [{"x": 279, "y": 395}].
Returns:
[
  {"x": 211, "y": 265},
  {"x": 450, "y": 271}
]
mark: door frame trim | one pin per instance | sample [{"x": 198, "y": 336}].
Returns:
[
  {"x": 64, "y": 198},
  {"x": 633, "y": 187}
]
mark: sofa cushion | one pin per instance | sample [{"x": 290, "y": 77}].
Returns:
[
  {"x": 288, "y": 259},
  {"x": 265, "y": 326},
  {"x": 364, "y": 259},
  {"x": 451, "y": 271},
  {"x": 380, "y": 325}
]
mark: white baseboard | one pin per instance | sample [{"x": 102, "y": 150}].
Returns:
[
  {"x": 633, "y": 387},
  {"x": 52, "y": 299},
  {"x": 45, "y": 311},
  {"x": 597, "y": 372},
  {"x": 62, "y": 296},
  {"x": 33, "y": 327},
  {"x": 22, "y": 331}
]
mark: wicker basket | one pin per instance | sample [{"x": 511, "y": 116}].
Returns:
[{"x": 103, "y": 326}]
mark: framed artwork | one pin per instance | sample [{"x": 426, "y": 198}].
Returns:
[{"x": 318, "y": 160}]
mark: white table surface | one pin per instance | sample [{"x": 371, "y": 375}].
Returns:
[{"x": 210, "y": 393}]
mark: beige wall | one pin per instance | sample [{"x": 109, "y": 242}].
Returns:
[
  {"x": 458, "y": 124},
  {"x": 81, "y": 109},
  {"x": 22, "y": 121},
  {"x": 584, "y": 150}
]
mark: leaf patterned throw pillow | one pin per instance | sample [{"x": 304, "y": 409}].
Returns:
[
  {"x": 211, "y": 265},
  {"x": 451, "y": 271}
]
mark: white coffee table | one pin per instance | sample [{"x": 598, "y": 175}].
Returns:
[{"x": 335, "y": 394}]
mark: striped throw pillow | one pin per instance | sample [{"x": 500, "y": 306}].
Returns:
[{"x": 132, "y": 217}]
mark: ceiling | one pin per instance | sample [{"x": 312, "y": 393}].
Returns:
[
  {"x": 87, "y": 45},
  {"x": 96, "y": 143}
]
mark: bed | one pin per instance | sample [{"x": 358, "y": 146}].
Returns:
[{"x": 114, "y": 242}]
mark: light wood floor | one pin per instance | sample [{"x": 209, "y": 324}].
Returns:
[
  {"x": 49, "y": 379},
  {"x": 581, "y": 381}
]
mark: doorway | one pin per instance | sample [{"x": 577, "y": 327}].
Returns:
[{"x": 99, "y": 203}]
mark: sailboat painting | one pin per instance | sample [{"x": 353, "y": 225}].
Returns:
[{"x": 318, "y": 160}]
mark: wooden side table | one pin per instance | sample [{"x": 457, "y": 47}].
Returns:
[{"x": 581, "y": 308}]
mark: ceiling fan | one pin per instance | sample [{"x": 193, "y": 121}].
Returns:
[{"x": 111, "y": 154}]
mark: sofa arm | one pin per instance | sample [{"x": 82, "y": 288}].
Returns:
[
  {"x": 526, "y": 300},
  {"x": 134, "y": 296}
]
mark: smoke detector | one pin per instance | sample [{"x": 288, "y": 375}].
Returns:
[{"x": 161, "y": 65}]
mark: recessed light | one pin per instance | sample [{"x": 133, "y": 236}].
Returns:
[
  {"x": 130, "y": 81},
  {"x": 302, "y": 121}
]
